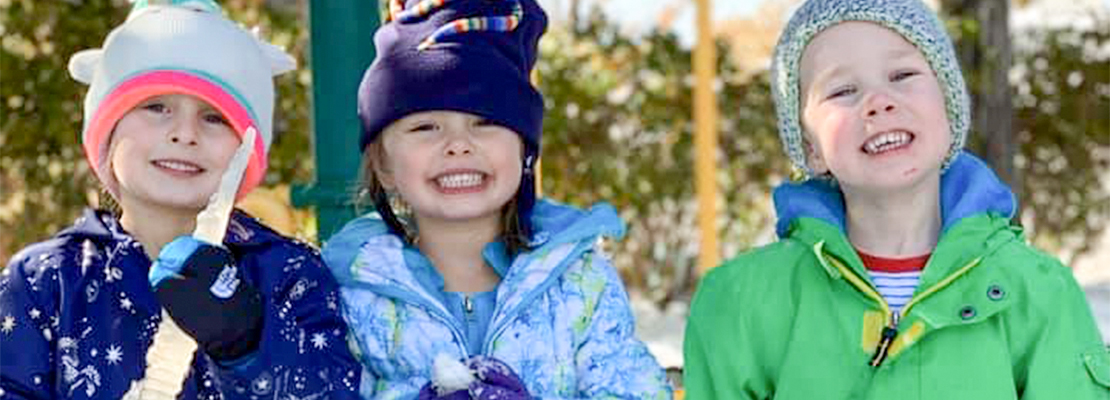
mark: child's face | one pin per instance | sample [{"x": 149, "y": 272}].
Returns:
[
  {"x": 872, "y": 109},
  {"x": 451, "y": 166},
  {"x": 170, "y": 152}
]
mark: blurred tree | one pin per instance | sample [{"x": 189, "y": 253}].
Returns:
[
  {"x": 1061, "y": 86},
  {"x": 983, "y": 45},
  {"x": 44, "y": 175},
  {"x": 1041, "y": 116},
  {"x": 618, "y": 128}
]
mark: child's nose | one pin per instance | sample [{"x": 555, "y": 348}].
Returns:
[
  {"x": 458, "y": 147},
  {"x": 184, "y": 131},
  {"x": 458, "y": 144},
  {"x": 879, "y": 103}
]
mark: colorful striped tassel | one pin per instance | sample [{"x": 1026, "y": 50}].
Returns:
[{"x": 504, "y": 23}]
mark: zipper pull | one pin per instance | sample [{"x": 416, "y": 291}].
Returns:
[
  {"x": 889, "y": 333},
  {"x": 469, "y": 305}
]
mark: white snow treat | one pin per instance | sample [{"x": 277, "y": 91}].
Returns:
[
  {"x": 167, "y": 364},
  {"x": 450, "y": 375}
]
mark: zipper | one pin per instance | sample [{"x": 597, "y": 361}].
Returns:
[
  {"x": 890, "y": 331},
  {"x": 468, "y": 305}
]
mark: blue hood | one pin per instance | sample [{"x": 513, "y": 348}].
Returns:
[{"x": 967, "y": 188}]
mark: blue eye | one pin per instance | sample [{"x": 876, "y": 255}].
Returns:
[
  {"x": 216, "y": 118},
  {"x": 902, "y": 75},
  {"x": 155, "y": 107},
  {"x": 841, "y": 92},
  {"x": 423, "y": 127}
]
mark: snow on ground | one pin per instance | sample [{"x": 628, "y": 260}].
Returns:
[
  {"x": 662, "y": 330},
  {"x": 1093, "y": 273}
]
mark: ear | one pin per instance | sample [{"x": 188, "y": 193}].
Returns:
[
  {"x": 280, "y": 61},
  {"x": 82, "y": 66},
  {"x": 382, "y": 174},
  {"x": 814, "y": 159}
]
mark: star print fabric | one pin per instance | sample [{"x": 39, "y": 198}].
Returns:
[{"x": 77, "y": 316}]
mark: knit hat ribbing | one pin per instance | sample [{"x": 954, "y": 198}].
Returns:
[
  {"x": 911, "y": 19},
  {"x": 184, "y": 47},
  {"x": 472, "y": 56}
]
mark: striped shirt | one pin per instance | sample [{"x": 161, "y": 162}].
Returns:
[{"x": 895, "y": 278}]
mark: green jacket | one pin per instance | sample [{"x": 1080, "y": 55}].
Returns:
[{"x": 992, "y": 318}]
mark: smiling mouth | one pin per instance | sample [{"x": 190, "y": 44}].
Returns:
[
  {"x": 178, "y": 166},
  {"x": 461, "y": 182},
  {"x": 886, "y": 142}
]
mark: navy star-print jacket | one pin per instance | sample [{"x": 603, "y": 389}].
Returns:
[{"x": 77, "y": 316}]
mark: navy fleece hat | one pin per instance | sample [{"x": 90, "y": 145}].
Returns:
[{"x": 472, "y": 56}]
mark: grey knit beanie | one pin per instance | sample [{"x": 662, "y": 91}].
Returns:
[{"x": 910, "y": 18}]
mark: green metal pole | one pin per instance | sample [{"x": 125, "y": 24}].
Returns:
[{"x": 341, "y": 47}]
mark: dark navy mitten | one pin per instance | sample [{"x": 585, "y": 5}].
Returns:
[{"x": 203, "y": 290}]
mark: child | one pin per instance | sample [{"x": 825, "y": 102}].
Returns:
[
  {"x": 461, "y": 262},
  {"x": 174, "y": 91},
  {"x": 898, "y": 274}
]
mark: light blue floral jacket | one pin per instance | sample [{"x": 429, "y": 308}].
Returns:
[{"x": 562, "y": 319}]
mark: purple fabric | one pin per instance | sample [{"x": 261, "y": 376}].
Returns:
[
  {"x": 495, "y": 381},
  {"x": 428, "y": 392}
]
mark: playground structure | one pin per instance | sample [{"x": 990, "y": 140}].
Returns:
[{"x": 337, "y": 69}]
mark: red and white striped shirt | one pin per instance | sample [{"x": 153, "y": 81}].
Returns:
[{"x": 895, "y": 278}]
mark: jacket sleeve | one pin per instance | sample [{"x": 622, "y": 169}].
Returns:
[
  {"x": 357, "y": 310},
  {"x": 303, "y": 352},
  {"x": 27, "y": 370},
  {"x": 710, "y": 370},
  {"x": 1067, "y": 358},
  {"x": 380, "y": 389},
  {"x": 611, "y": 361}
]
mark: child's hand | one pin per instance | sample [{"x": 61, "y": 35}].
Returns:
[
  {"x": 198, "y": 281},
  {"x": 450, "y": 379},
  {"x": 208, "y": 298},
  {"x": 429, "y": 392},
  {"x": 496, "y": 380},
  {"x": 493, "y": 380}
]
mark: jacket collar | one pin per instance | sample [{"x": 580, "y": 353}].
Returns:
[
  {"x": 976, "y": 208},
  {"x": 967, "y": 188},
  {"x": 364, "y": 252},
  {"x": 102, "y": 226}
]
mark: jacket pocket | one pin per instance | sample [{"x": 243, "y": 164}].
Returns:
[{"x": 1098, "y": 365}]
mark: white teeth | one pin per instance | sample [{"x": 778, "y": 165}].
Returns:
[
  {"x": 887, "y": 141},
  {"x": 455, "y": 181},
  {"x": 178, "y": 166}
]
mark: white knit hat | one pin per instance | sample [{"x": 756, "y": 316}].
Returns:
[{"x": 185, "y": 47}]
